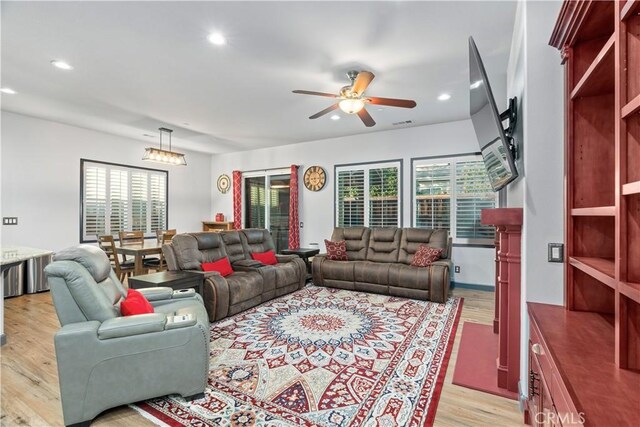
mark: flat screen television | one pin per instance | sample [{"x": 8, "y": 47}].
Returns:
[{"x": 495, "y": 143}]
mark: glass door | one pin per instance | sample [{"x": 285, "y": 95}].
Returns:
[{"x": 266, "y": 197}]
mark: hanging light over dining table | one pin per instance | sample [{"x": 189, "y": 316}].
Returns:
[{"x": 167, "y": 157}]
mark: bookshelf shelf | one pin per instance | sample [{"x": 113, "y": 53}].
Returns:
[
  {"x": 631, "y": 188},
  {"x": 601, "y": 269},
  {"x": 632, "y": 107},
  {"x": 599, "y": 77},
  {"x": 596, "y": 211}
]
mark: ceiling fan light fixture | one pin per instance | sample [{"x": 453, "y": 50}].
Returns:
[{"x": 351, "y": 105}]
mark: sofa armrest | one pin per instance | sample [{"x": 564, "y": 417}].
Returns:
[
  {"x": 132, "y": 325},
  {"x": 286, "y": 258},
  {"x": 246, "y": 263},
  {"x": 439, "y": 278},
  {"x": 157, "y": 293}
]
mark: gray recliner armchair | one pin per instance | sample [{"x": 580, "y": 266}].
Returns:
[{"x": 106, "y": 360}]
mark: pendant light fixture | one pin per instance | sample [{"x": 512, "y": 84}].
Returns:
[{"x": 166, "y": 157}]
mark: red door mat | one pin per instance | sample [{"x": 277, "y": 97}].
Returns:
[{"x": 476, "y": 363}]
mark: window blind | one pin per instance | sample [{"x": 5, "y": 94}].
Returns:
[
  {"x": 368, "y": 195},
  {"x": 433, "y": 196},
  {"x": 119, "y": 198},
  {"x": 473, "y": 193}
]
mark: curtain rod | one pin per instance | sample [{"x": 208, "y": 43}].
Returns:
[{"x": 268, "y": 169}]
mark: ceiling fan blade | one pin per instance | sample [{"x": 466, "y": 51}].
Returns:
[
  {"x": 362, "y": 81},
  {"x": 366, "y": 118},
  {"x": 308, "y": 92},
  {"x": 392, "y": 102},
  {"x": 325, "y": 111}
]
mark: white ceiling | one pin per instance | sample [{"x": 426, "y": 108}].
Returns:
[{"x": 142, "y": 65}]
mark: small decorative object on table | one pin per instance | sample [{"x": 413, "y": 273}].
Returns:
[
  {"x": 175, "y": 280},
  {"x": 219, "y": 217}
]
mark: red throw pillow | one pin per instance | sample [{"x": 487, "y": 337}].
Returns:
[
  {"x": 267, "y": 258},
  {"x": 222, "y": 266},
  {"x": 336, "y": 251},
  {"x": 425, "y": 255},
  {"x": 135, "y": 303}
]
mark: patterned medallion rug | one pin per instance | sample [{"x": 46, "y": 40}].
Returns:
[{"x": 324, "y": 357}]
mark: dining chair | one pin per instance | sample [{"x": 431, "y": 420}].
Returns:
[
  {"x": 134, "y": 238},
  {"x": 165, "y": 236},
  {"x": 123, "y": 269}
]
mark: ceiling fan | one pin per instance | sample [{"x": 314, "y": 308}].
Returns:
[{"x": 352, "y": 101}]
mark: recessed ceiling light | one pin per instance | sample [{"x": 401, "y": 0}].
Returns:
[
  {"x": 476, "y": 84},
  {"x": 217, "y": 39},
  {"x": 335, "y": 117},
  {"x": 8, "y": 90},
  {"x": 444, "y": 97},
  {"x": 61, "y": 64}
]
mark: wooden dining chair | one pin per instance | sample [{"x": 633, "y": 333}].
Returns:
[
  {"x": 134, "y": 238},
  {"x": 122, "y": 268},
  {"x": 165, "y": 236}
]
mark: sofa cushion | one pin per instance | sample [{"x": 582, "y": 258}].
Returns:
[
  {"x": 407, "y": 276},
  {"x": 257, "y": 240},
  {"x": 244, "y": 285},
  {"x": 336, "y": 251},
  {"x": 222, "y": 266},
  {"x": 372, "y": 272},
  {"x": 384, "y": 245},
  {"x": 338, "y": 270},
  {"x": 266, "y": 258},
  {"x": 287, "y": 274},
  {"x": 356, "y": 239},
  {"x": 234, "y": 246},
  {"x": 425, "y": 256},
  {"x": 412, "y": 238}
]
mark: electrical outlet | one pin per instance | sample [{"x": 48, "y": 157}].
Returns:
[
  {"x": 456, "y": 269},
  {"x": 9, "y": 220}
]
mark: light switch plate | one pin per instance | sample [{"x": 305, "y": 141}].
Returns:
[{"x": 556, "y": 252}]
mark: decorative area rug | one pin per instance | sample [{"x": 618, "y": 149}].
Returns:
[
  {"x": 476, "y": 362},
  {"x": 322, "y": 357}
]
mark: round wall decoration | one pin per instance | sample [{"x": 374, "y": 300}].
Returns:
[
  {"x": 224, "y": 183},
  {"x": 315, "y": 178}
]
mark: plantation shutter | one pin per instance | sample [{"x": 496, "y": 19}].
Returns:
[
  {"x": 433, "y": 196},
  {"x": 95, "y": 200},
  {"x": 473, "y": 193},
  {"x": 139, "y": 197},
  {"x": 119, "y": 201},
  {"x": 350, "y": 198},
  {"x": 383, "y": 197},
  {"x": 158, "y": 202}
]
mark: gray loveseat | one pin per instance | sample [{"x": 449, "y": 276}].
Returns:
[
  {"x": 106, "y": 360},
  {"x": 251, "y": 283},
  {"x": 380, "y": 262}
]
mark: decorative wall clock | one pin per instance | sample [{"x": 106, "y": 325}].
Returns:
[
  {"x": 224, "y": 183},
  {"x": 314, "y": 178}
]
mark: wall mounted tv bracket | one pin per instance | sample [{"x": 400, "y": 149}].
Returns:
[{"x": 511, "y": 114}]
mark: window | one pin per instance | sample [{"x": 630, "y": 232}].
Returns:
[
  {"x": 451, "y": 193},
  {"x": 368, "y": 195},
  {"x": 121, "y": 198}
]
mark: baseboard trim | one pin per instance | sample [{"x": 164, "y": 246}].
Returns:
[
  {"x": 474, "y": 286},
  {"x": 3, "y": 340}
]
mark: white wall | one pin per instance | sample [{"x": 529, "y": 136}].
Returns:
[
  {"x": 41, "y": 180},
  {"x": 317, "y": 208},
  {"x": 536, "y": 77}
]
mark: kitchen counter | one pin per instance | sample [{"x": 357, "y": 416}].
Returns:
[{"x": 14, "y": 254}]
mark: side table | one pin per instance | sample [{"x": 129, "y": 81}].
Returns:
[
  {"x": 305, "y": 254},
  {"x": 173, "y": 279}
]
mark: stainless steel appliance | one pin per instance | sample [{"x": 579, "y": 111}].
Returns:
[
  {"x": 36, "y": 280},
  {"x": 13, "y": 280}
]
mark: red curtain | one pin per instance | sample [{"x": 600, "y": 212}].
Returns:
[
  {"x": 237, "y": 200},
  {"x": 294, "y": 220}
]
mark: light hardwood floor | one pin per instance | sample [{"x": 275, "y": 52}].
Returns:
[{"x": 30, "y": 395}]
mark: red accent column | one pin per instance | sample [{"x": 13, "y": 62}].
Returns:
[
  {"x": 237, "y": 200},
  {"x": 294, "y": 221},
  {"x": 508, "y": 222}
]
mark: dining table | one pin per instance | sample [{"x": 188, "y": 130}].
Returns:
[{"x": 139, "y": 251}]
